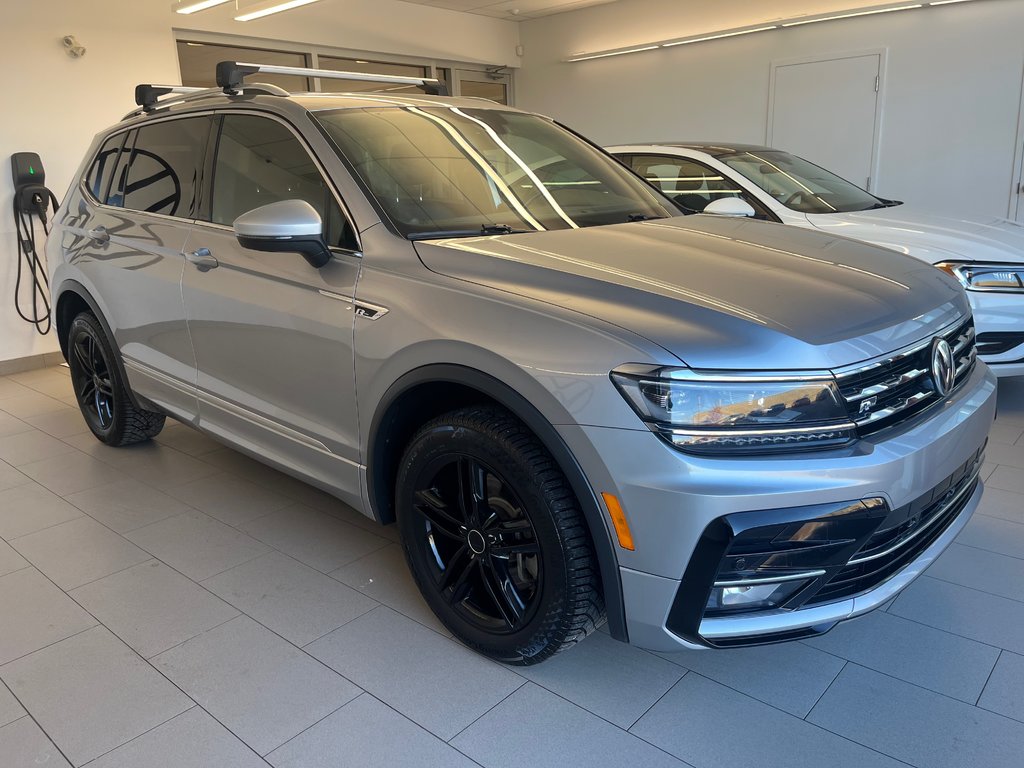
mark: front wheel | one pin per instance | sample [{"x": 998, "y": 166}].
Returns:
[
  {"x": 101, "y": 392},
  {"x": 495, "y": 538}
]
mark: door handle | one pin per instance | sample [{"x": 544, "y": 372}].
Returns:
[
  {"x": 202, "y": 259},
  {"x": 100, "y": 236}
]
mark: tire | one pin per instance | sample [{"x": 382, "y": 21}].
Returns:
[
  {"x": 508, "y": 568},
  {"x": 102, "y": 393}
]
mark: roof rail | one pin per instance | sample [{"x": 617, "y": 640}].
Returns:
[
  {"x": 231, "y": 75},
  {"x": 148, "y": 96}
]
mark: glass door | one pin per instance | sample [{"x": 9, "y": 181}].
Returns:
[{"x": 482, "y": 84}]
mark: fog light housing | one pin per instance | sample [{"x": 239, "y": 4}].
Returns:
[{"x": 753, "y": 597}]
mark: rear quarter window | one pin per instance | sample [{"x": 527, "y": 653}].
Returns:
[{"x": 101, "y": 171}]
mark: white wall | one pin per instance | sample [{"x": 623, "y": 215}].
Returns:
[
  {"x": 951, "y": 96},
  {"x": 54, "y": 105}
]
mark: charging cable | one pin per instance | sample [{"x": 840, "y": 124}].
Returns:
[{"x": 29, "y": 202}]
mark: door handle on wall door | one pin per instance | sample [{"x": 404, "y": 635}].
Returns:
[
  {"x": 203, "y": 260},
  {"x": 100, "y": 236}
]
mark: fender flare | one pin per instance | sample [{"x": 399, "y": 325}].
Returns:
[
  {"x": 528, "y": 413},
  {"x": 75, "y": 287}
]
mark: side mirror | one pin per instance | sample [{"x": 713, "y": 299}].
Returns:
[
  {"x": 287, "y": 226},
  {"x": 729, "y": 206}
]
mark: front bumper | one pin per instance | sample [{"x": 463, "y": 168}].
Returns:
[
  {"x": 671, "y": 498},
  {"x": 1000, "y": 315}
]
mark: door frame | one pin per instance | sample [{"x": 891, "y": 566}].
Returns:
[
  {"x": 876, "y": 139},
  {"x": 1015, "y": 207}
]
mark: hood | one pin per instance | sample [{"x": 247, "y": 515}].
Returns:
[
  {"x": 927, "y": 236},
  {"x": 720, "y": 293}
]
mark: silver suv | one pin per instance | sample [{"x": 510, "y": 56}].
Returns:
[{"x": 575, "y": 403}]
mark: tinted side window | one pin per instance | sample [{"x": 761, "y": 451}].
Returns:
[
  {"x": 102, "y": 169},
  {"x": 260, "y": 161},
  {"x": 690, "y": 184},
  {"x": 164, "y": 167},
  {"x": 119, "y": 175}
]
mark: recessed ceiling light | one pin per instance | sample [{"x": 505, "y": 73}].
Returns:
[
  {"x": 717, "y": 37},
  {"x": 835, "y": 16},
  {"x": 585, "y": 56}
]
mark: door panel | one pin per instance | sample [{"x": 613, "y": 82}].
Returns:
[
  {"x": 825, "y": 111},
  {"x": 272, "y": 335}
]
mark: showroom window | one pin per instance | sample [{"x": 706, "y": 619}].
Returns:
[
  {"x": 260, "y": 161},
  {"x": 163, "y": 172},
  {"x": 198, "y": 62},
  {"x": 373, "y": 67}
]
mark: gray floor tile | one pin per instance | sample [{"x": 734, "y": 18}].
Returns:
[
  {"x": 127, "y": 505},
  {"x": 35, "y": 614},
  {"x": 1005, "y": 690},
  {"x": 292, "y": 599},
  {"x": 9, "y": 425},
  {"x": 159, "y": 466},
  {"x": 1005, "y": 455},
  {"x": 384, "y": 576},
  {"x": 71, "y": 472},
  {"x": 78, "y": 552},
  {"x": 11, "y": 478},
  {"x": 1007, "y": 479},
  {"x": 191, "y": 740},
  {"x": 11, "y": 388},
  {"x": 10, "y": 560},
  {"x": 963, "y": 611},
  {"x": 91, "y": 693},
  {"x": 28, "y": 508},
  {"x": 370, "y": 735},
  {"x": 23, "y": 744},
  {"x": 152, "y": 607},
  {"x": 915, "y": 725},
  {"x": 1007, "y": 505},
  {"x": 981, "y": 569},
  {"x": 994, "y": 534},
  {"x": 187, "y": 440},
  {"x": 927, "y": 657},
  {"x": 26, "y": 447},
  {"x": 259, "y": 686},
  {"x": 228, "y": 498},
  {"x": 197, "y": 545},
  {"x": 1005, "y": 434},
  {"x": 433, "y": 681},
  {"x": 712, "y": 726},
  {"x": 789, "y": 676},
  {"x": 613, "y": 680},
  {"x": 987, "y": 468},
  {"x": 60, "y": 423},
  {"x": 31, "y": 404},
  {"x": 536, "y": 728},
  {"x": 314, "y": 498},
  {"x": 10, "y": 709},
  {"x": 318, "y": 540}
]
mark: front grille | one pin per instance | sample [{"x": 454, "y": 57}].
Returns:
[
  {"x": 892, "y": 390},
  {"x": 904, "y": 534}
]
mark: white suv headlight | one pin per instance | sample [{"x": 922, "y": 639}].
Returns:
[
  {"x": 724, "y": 412},
  {"x": 1004, "y": 278}
]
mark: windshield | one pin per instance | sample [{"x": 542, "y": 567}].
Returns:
[
  {"x": 458, "y": 171},
  {"x": 800, "y": 185}
]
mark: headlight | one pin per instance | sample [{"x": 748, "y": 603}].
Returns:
[
  {"x": 735, "y": 413},
  {"x": 1005, "y": 278}
]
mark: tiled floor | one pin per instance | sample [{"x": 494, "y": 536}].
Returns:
[{"x": 179, "y": 605}]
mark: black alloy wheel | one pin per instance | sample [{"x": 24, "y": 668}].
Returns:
[
  {"x": 102, "y": 394},
  {"x": 495, "y": 538},
  {"x": 481, "y": 544}
]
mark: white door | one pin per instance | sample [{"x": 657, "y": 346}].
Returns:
[{"x": 826, "y": 111}]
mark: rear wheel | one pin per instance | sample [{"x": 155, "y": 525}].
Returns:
[
  {"x": 495, "y": 538},
  {"x": 101, "y": 392}
]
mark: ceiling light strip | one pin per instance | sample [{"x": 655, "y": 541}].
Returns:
[
  {"x": 794, "y": 22},
  {"x": 266, "y": 9},
  {"x": 186, "y": 7}
]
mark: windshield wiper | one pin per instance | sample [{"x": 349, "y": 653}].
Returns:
[
  {"x": 485, "y": 229},
  {"x": 642, "y": 217},
  {"x": 884, "y": 204}
]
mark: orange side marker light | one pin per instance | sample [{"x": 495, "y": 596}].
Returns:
[{"x": 619, "y": 521}]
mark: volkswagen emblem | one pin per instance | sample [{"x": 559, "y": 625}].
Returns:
[{"x": 943, "y": 369}]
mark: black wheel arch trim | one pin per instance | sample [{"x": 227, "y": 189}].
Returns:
[
  {"x": 525, "y": 411},
  {"x": 73, "y": 286}
]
